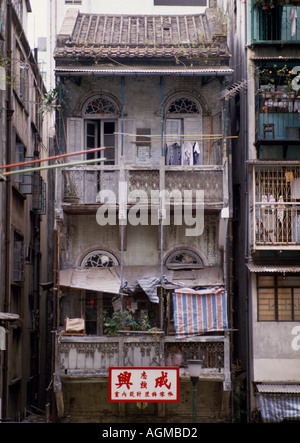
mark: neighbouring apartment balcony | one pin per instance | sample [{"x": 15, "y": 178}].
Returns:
[
  {"x": 275, "y": 207},
  {"x": 78, "y": 187},
  {"x": 91, "y": 356},
  {"x": 279, "y": 24},
  {"x": 279, "y": 117}
]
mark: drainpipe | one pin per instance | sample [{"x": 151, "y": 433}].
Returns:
[
  {"x": 227, "y": 217},
  {"x": 161, "y": 188},
  {"x": 122, "y": 111},
  {"x": 59, "y": 113},
  {"x": 9, "y": 113}
]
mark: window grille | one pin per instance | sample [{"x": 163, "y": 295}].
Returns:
[
  {"x": 18, "y": 261},
  {"x": 183, "y": 105},
  {"x": 183, "y": 259},
  {"x": 99, "y": 259},
  {"x": 277, "y": 205},
  {"x": 278, "y": 298},
  {"x": 101, "y": 106}
]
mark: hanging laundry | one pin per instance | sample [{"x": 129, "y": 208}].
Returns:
[
  {"x": 187, "y": 158},
  {"x": 293, "y": 19},
  {"x": 173, "y": 154},
  {"x": 280, "y": 209},
  {"x": 196, "y": 153},
  {"x": 295, "y": 189},
  {"x": 2, "y": 338}
]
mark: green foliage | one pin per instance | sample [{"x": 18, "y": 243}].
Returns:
[
  {"x": 50, "y": 100},
  {"x": 124, "y": 318}
]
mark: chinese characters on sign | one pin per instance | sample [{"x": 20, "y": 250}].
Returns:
[{"x": 144, "y": 384}]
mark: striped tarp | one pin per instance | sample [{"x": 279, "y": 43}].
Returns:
[
  {"x": 275, "y": 408},
  {"x": 197, "y": 312}
]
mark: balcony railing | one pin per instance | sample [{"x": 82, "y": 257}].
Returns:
[
  {"x": 275, "y": 212},
  {"x": 279, "y": 24},
  {"x": 81, "y": 186},
  {"x": 91, "y": 356},
  {"x": 278, "y": 117}
]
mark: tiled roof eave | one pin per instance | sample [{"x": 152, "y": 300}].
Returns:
[{"x": 138, "y": 52}]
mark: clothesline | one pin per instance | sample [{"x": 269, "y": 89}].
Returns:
[{"x": 175, "y": 136}]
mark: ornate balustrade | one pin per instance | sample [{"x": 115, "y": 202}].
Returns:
[
  {"x": 91, "y": 356},
  {"x": 81, "y": 186}
]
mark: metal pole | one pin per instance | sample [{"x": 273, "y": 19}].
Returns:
[
  {"x": 61, "y": 165},
  {"x": 55, "y": 157},
  {"x": 194, "y": 381},
  {"x": 122, "y": 110}
]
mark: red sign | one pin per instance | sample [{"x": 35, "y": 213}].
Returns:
[{"x": 144, "y": 384}]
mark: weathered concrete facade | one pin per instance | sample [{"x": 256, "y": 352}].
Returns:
[
  {"x": 136, "y": 99},
  {"x": 266, "y": 259},
  {"x": 24, "y": 221}
]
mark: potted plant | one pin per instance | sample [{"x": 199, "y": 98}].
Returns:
[
  {"x": 266, "y": 82},
  {"x": 70, "y": 189},
  {"x": 145, "y": 323},
  {"x": 70, "y": 194},
  {"x": 121, "y": 319}
]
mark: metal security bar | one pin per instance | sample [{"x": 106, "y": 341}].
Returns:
[
  {"x": 279, "y": 24},
  {"x": 276, "y": 206}
]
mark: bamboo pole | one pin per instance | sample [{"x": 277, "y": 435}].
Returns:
[
  {"x": 60, "y": 165},
  {"x": 56, "y": 157}
]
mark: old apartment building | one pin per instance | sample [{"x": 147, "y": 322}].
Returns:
[
  {"x": 24, "y": 220},
  {"x": 148, "y": 88},
  {"x": 264, "y": 40}
]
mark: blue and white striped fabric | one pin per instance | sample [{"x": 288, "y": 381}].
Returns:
[
  {"x": 197, "y": 312},
  {"x": 275, "y": 408},
  {"x": 149, "y": 285}
]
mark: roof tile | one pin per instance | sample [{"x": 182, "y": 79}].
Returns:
[{"x": 137, "y": 36}]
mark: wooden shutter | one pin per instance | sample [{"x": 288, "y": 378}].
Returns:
[{"x": 75, "y": 141}]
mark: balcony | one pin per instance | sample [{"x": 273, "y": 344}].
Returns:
[
  {"x": 275, "y": 209},
  {"x": 91, "y": 356},
  {"x": 275, "y": 25},
  {"x": 78, "y": 188},
  {"x": 278, "y": 117}
]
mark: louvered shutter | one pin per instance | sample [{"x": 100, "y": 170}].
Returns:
[{"x": 75, "y": 141}]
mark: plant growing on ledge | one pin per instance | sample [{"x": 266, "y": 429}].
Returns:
[
  {"x": 270, "y": 3},
  {"x": 124, "y": 319}
]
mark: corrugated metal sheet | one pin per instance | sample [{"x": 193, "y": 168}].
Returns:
[
  {"x": 139, "y": 70},
  {"x": 278, "y": 388},
  {"x": 253, "y": 267}
]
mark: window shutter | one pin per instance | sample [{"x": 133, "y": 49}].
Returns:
[
  {"x": 26, "y": 184},
  {"x": 20, "y": 157},
  {"x": 75, "y": 138},
  {"x": 18, "y": 261}
]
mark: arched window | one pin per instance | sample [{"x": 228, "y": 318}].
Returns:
[
  {"x": 183, "y": 105},
  {"x": 184, "y": 258},
  {"x": 183, "y": 129},
  {"x": 99, "y": 259},
  {"x": 101, "y": 114},
  {"x": 101, "y": 106}
]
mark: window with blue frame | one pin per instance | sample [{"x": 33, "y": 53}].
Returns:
[{"x": 279, "y": 23}]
